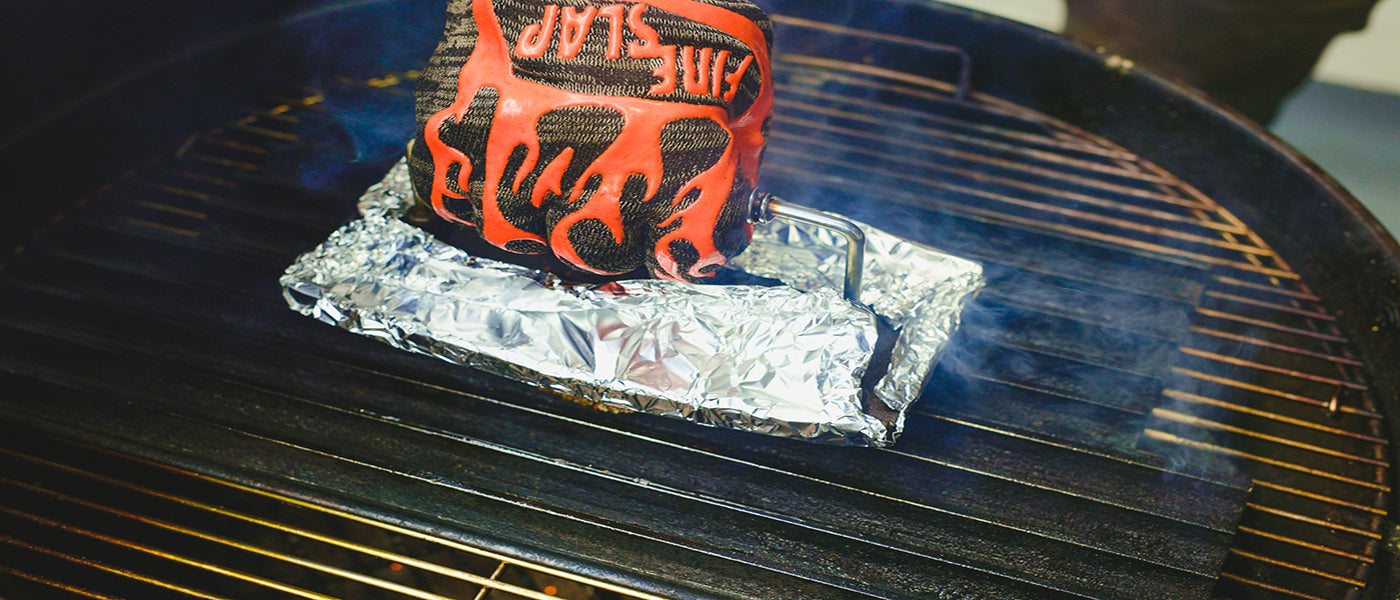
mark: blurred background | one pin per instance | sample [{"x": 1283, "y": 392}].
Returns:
[{"x": 1347, "y": 119}]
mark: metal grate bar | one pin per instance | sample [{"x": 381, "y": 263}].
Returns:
[
  {"x": 156, "y": 552},
  {"x": 1310, "y": 546},
  {"x": 1273, "y": 306},
  {"x": 1319, "y": 522},
  {"x": 1175, "y": 439},
  {"x": 1274, "y": 346},
  {"x": 500, "y": 568},
  {"x": 1300, "y": 568},
  {"x": 234, "y": 544},
  {"x": 1320, "y": 497},
  {"x": 102, "y": 567},
  {"x": 928, "y": 181},
  {"x": 991, "y": 216},
  {"x": 269, "y": 133},
  {"x": 1270, "y": 325},
  {"x": 1272, "y": 289},
  {"x": 55, "y": 584},
  {"x": 1270, "y": 587},
  {"x": 1230, "y": 360},
  {"x": 485, "y": 582},
  {"x": 993, "y": 136},
  {"x": 207, "y": 512},
  {"x": 225, "y": 162},
  {"x": 1198, "y": 399},
  {"x": 1186, "y": 419},
  {"x": 1058, "y": 160},
  {"x": 1226, "y": 381}
]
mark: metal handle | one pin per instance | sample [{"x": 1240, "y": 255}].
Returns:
[{"x": 766, "y": 207}]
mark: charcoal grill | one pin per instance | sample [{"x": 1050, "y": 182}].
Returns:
[{"x": 1175, "y": 385}]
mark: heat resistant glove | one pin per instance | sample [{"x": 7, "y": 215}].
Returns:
[{"x": 615, "y": 135}]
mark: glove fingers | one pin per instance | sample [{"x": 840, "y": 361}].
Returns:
[
  {"x": 464, "y": 136},
  {"x": 599, "y": 235},
  {"x": 690, "y": 148},
  {"x": 673, "y": 257},
  {"x": 535, "y": 190},
  {"x": 588, "y": 223}
]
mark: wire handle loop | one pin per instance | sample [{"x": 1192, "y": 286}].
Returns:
[{"x": 766, "y": 207}]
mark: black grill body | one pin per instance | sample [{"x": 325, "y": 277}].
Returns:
[{"x": 1175, "y": 385}]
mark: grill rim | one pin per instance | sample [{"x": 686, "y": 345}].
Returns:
[{"x": 1377, "y": 241}]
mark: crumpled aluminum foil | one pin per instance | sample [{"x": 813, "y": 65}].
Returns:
[{"x": 785, "y": 360}]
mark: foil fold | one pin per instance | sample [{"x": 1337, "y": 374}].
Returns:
[{"x": 787, "y": 360}]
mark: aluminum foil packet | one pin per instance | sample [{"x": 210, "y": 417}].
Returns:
[{"x": 786, "y": 360}]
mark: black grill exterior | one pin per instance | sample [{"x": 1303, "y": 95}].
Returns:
[{"x": 1171, "y": 388}]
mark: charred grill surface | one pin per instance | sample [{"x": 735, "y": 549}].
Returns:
[{"x": 1146, "y": 401}]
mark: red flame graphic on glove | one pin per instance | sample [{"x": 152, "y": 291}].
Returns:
[{"x": 637, "y": 150}]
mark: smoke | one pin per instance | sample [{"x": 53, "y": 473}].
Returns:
[
  {"x": 1078, "y": 334},
  {"x": 354, "y": 62}
]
